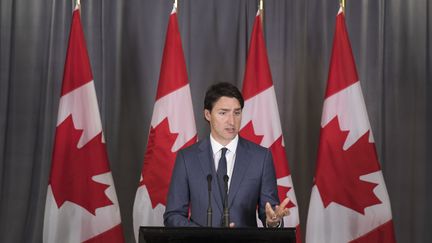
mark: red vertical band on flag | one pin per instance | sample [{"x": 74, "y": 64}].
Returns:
[
  {"x": 79, "y": 73},
  {"x": 173, "y": 74},
  {"x": 382, "y": 234},
  {"x": 342, "y": 71},
  {"x": 257, "y": 72},
  {"x": 114, "y": 235}
]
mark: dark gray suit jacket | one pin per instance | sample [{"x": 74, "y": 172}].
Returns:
[{"x": 253, "y": 183}]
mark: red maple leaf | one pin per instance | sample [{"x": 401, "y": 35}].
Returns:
[
  {"x": 338, "y": 171},
  {"x": 281, "y": 167},
  {"x": 248, "y": 132},
  {"x": 73, "y": 168},
  {"x": 159, "y": 162}
]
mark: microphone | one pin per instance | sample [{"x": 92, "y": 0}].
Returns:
[
  {"x": 209, "y": 209},
  {"x": 226, "y": 213}
]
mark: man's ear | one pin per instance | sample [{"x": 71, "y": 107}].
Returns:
[{"x": 207, "y": 115}]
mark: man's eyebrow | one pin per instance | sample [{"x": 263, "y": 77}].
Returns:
[{"x": 227, "y": 109}]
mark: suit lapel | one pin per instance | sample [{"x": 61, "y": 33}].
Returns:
[
  {"x": 205, "y": 157},
  {"x": 240, "y": 167}
]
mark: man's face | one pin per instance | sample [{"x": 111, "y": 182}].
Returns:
[{"x": 224, "y": 118}]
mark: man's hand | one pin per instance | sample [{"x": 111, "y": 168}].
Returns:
[{"x": 274, "y": 217}]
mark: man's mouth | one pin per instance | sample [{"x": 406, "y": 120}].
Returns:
[{"x": 230, "y": 130}]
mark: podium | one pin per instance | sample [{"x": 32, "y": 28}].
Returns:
[{"x": 215, "y": 235}]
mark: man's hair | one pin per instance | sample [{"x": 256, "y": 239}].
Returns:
[{"x": 216, "y": 91}]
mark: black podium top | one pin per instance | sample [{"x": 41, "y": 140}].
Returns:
[{"x": 213, "y": 235}]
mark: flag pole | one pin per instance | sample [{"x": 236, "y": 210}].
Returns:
[
  {"x": 261, "y": 11},
  {"x": 76, "y": 5},
  {"x": 175, "y": 6},
  {"x": 343, "y": 4}
]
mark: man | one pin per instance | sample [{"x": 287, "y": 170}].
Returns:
[{"x": 224, "y": 155}]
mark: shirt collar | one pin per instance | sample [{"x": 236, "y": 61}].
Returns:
[{"x": 231, "y": 146}]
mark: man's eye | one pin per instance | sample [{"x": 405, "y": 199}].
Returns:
[{"x": 222, "y": 113}]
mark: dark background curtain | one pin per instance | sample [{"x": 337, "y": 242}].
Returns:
[{"x": 391, "y": 41}]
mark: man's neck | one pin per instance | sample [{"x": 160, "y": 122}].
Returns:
[{"x": 231, "y": 145}]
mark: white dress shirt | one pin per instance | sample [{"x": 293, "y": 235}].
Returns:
[{"x": 230, "y": 154}]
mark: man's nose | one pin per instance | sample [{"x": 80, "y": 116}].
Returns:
[{"x": 231, "y": 119}]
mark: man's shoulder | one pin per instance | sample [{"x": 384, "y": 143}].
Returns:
[
  {"x": 247, "y": 144},
  {"x": 253, "y": 152},
  {"x": 196, "y": 147}
]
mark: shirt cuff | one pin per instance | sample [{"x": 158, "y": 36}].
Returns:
[{"x": 276, "y": 226}]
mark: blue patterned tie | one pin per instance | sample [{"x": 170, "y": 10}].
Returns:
[{"x": 222, "y": 169}]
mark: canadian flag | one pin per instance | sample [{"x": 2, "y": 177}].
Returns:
[
  {"x": 81, "y": 203},
  {"x": 172, "y": 128},
  {"x": 261, "y": 121},
  {"x": 349, "y": 201}
]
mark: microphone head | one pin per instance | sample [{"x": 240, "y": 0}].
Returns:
[{"x": 225, "y": 178}]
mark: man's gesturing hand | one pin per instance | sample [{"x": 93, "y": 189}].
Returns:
[{"x": 274, "y": 217}]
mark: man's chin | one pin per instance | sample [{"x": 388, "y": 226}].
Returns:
[{"x": 230, "y": 137}]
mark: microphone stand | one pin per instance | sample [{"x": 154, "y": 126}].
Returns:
[
  {"x": 209, "y": 209},
  {"x": 226, "y": 214}
]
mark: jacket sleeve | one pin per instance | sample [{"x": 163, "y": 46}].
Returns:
[
  {"x": 177, "y": 208},
  {"x": 269, "y": 192}
]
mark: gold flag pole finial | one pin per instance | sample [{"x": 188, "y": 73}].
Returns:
[
  {"x": 261, "y": 11},
  {"x": 76, "y": 5},
  {"x": 343, "y": 4},
  {"x": 175, "y": 4}
]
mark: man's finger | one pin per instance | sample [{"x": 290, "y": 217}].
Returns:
[
  {"x": 284, "y": 202},
  {"x": 268, "y": 208},
  {"x": 269, "y": 211},
  {"x": 284, "y": 212},
  {"x": 281, "y": 210}
]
